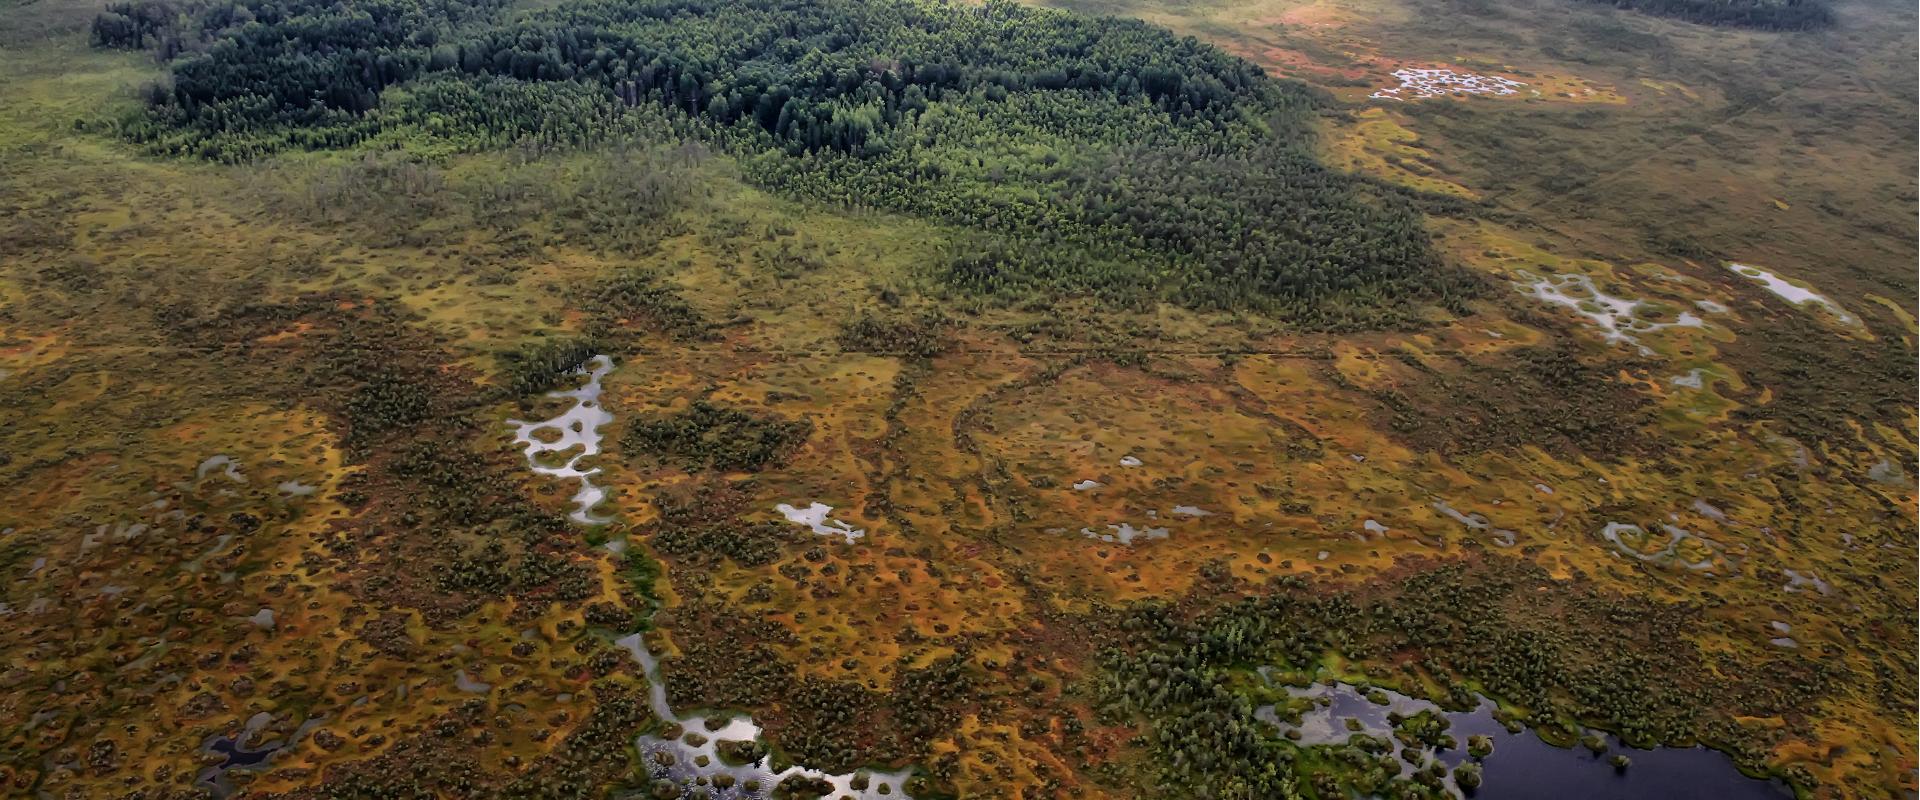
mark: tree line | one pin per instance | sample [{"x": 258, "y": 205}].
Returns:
[
  {"x": 1779, "y": 15},
  {"x": 1076, "y": 155}
]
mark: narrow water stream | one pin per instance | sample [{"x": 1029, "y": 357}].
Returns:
[
  {"x": 576, "y": 429},
  {"x": 693, "y": 759}
]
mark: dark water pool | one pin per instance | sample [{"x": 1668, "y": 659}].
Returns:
[
  {"x": 244, "y": 753},
  {"x": 239, "y": 756},
  {"x": 1524, "y": 767}
]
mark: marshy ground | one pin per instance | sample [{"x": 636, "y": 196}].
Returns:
[{"x": 1629, "y": 444}]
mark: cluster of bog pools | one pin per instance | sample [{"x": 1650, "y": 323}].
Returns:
[
  {"x": 1423, "y": 83},
  {"x": 575, "y": 434},
  {"x": 1638, "y": 542},
  {"x": 690, "y": 756},
  {"x": 1665, "y": 543},
  {"x": 1619, "y": 318},
  {"x": 1521, "y": 764},
  {"x": 1622, "y": 319},
  {"x": 1125, "y": 532}
]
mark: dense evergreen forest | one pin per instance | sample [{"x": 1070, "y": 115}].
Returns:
[
  {"x": 1778, "y": 15},
  {"x": 1090, "y": 156}
]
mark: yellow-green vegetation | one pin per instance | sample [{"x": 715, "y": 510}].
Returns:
[{"x": 1103, "y": 434}]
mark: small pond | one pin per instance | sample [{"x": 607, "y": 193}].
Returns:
[{"x": 1522, "y": 765}]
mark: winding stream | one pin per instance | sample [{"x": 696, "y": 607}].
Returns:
[
  {"x": 693, "y": 760},
  {"x": 576, "y": 428}
]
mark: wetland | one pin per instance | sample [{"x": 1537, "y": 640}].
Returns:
[{"x": 904, "y": 398}]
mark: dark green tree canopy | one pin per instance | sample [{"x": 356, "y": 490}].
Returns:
[{"x": 1074, "y": 155}]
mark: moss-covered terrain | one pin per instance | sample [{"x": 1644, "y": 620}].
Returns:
[{"x": 1030, "y": 439}]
